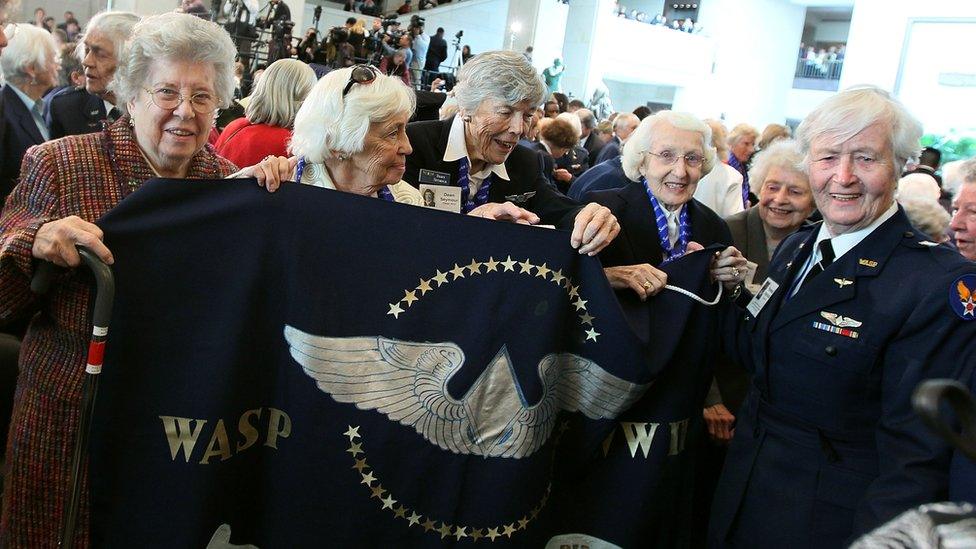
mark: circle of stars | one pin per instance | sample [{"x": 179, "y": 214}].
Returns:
[
  {"x": 443, "y": 529},
  {"x": 475, "y": 268}
]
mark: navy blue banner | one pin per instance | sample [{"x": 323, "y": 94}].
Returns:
[{"x": 310, "y": 368}]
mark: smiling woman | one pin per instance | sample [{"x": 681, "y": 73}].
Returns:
[{"x": 172, "y": 87}]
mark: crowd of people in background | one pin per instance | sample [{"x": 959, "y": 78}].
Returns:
[
  {"x": 783, "y": 204},
  {"x": 821, "y": 62},
  {"x": 683, "y": 25}
]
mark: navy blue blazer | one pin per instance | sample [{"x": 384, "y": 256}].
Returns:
[
  {"x": 528, "y": 188},
  {"x": 19, "y": 133},
  {"x": 74, "y": 112},
  {"x": 605, "y": 176},
  {"x": 610, "y": 150},
  {"x": 827, "y": 445}
]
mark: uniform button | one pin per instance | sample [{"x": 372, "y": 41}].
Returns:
[
  {"x": 909, "y": 234},
  {"x": 830, "y": 350}
]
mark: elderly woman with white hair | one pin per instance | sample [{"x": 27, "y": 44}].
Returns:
[
  {"x": 662, "y": 163},
  {"x": 83, "y": 110},
  {"x": 266, "y": 127},
  {"x": 476, "y": 155},
  {"x": 30, "y": 64},
  {"x": 350, "y": 135},
  {"x": 721, "y": 188},
  {"x": 171, "y": 87}
]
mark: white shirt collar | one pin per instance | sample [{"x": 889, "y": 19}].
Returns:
[
  {"x": 845, "y": 242},
  {"x": 28, "y": 102},
  {"x": 457, "y": 149},
  {"x": 108, "y": 106}
]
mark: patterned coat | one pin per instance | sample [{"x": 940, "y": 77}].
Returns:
[{"x": 83, "y": 175}]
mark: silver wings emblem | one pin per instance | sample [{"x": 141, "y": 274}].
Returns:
[
  {"x": 407, "y": 381},
  {"x": 841, "y": 321}
]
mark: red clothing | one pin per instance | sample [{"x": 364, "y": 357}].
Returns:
[
  {"x": 388, "y": 68},
  {"x": 83, "y": 175},
  {"x": 246, "y": 144}
]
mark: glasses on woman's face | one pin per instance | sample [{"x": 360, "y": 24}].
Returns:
[
  {"x": 361, "y": 74},
  {"x": 692, "y": 160},
  {"x": 169, "y": 99}
]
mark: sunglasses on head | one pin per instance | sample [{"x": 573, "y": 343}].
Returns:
[{"x": 361, "y": 74}]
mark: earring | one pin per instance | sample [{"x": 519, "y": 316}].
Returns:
[{"x": 466, "y": 118}]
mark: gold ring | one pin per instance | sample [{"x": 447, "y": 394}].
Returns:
[
  {"x": 647, "y": 285},
  {"x": 735, "y": 272}
]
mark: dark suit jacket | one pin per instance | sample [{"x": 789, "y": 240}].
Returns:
[
  {"x": 75, "y": 112},
  {"x": 638, "y": 239},
  {"x": 593, "y": 146},
  {"x": 610, "y": 150},
  {"x": 528, "y": 187},
  {"x": 436, "y": 54},
  {"x": 548, "y": 162},
  {"x": 604, "y": 176},
  {"x": 830, "y": 415},
  {"x": 19, "y": 134},
  {"x": 749, "y": 237}
]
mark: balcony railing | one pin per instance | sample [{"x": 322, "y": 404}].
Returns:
[{"x": 826, "y": 69}]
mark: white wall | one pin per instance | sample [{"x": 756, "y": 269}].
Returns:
[
  {"x": 627, "y": 96},
  {"x": 832, "y": 31},
  {"x": 754, "y": 63},
  {"x": 549, "y": 33}
]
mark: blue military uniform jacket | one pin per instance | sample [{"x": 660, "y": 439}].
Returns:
[{"x": 827, "y": 445}]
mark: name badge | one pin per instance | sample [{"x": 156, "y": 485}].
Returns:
[
  {"x": 441, "y": 197},
  {"x": 434, "y": 178},
  {"x": 759, "y": 301}
]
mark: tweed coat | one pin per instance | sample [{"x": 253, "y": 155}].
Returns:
[{"x": 83, "y": 175}]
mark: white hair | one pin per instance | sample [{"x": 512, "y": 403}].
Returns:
[
  {"x": 640, "y": 141},
  {"x": 919, "y": 186},
  {"x": 279, "y": 93},
  {"x": 851, "y": 111},
  {"x": 328, "y": 124},
  {"x": 500, "y": 75},
  {"x": 116, "y": 26},
  {"x": 927, "y": 216},
  {"x": 27, "y": 45},
  {"x": 587, "y": 117},
  {"x": 624, "y": 117},
  {"x": 574, "y": 121},
  {"x": 176, "y": 37},
  {"x": 782, "y": 153}
]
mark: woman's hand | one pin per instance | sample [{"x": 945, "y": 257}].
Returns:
[
  {"x": 505, "y": 212},
  {"x": 720, "y": 423},
  {"x": 644, "y": 279},
  {"x": 55, "y": 241},
  {"x": 729, "y": 267},
  {"x": 562, "y": 174},
  {"x": 593, "y": 229},
  {"x": 270, "y": 172}
]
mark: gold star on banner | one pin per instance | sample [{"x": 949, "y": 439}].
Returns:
[
  {"x": 409, "y": 297},
  {"x": 428, "y": 525},
  {"x": 557, "y": 276},
  {"x": 414, "y": 518},
  {"x": 525, "y": 267},
  {"x": 395, "y": 310},
  {"x": 440, "y": 278},
  {"x": 509, "y": 530},
  {"x": 573, "y": 290},
  {"x": 474, "y": 268},
  {"x": 535, "y": 512},
  {"x": 352, "y": 432},
  {"x": 368, "y": 479},
  {"x": 509, "y": 264},
  {"x": 445, "y": 530},
  {"x": 355, "y": 449},
  {"x": 585, "y": 318},
  {"x": 458, "y": 272},
  {"x": 523, "y": 522},
  {"x": 476, "y": 535},
  {"x": 579, "y": 304},
  {"x": 377, "y": 491},
  {"x": 492, "y": 534},
  {"x": 491, "y": 265},
  {"x": 592, "y": 334},
  {"x": 424, "y": 287},
  {"x": 388, "y": 502},
  {"x": 460, "y": 532},
  {"x": 542, "y": 271},
  {"x": 360, "y": 465},
  {"x": 400, "y": 511}
]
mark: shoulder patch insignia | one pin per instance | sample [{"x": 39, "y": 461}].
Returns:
[{"x": 961, "y": 297}]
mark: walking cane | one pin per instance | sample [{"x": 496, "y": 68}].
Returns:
[
  {"x": 928, "y": 401},
  {"x": 104, "y": 295}
]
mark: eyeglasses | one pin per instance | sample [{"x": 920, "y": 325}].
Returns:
[
  {"x": 361, "y": 74},
  {"x": 169, "y": 99},
  {"x": 692, "y": 160}
]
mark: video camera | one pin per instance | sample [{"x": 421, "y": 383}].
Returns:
[{"x": 416, "y": 22}]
